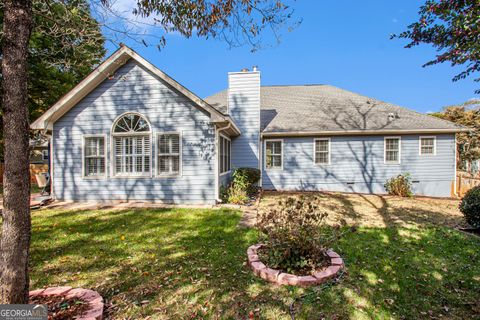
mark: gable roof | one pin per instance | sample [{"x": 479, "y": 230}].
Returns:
[
  {"x": 107, "y": 68},
  {"x": 325, "y": 109}
]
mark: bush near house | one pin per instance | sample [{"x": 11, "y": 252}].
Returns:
[
  {"x": 242, "y": 187},
  {"x": 470, "y": 207},
  {"x": 295, "y": 236},
  {"x": 400, "y": 185}
]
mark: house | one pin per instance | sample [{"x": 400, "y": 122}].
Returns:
[
  {"x": 39, "y": 152},
  {"x": 130, "y": 132}
]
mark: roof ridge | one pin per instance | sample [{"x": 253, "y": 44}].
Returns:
[{"x": 297, "y": 85}]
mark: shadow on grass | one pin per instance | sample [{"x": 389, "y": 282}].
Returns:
[
  {"x": 186, "y": 263},
  {"x": 170, "y": 262},
  {"x": 379, "y": 210}
]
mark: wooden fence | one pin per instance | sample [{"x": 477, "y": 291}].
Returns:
[
  {"x": 466, "y": 183},
  {"x": 34, "y": 169}
]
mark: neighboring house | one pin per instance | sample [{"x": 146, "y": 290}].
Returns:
[
  {"x": 131, "y": 132},
  {"x": 39, "y": 152}
]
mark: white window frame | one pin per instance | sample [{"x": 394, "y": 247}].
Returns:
[
  {"x": 45, "y": 155},
  {"x": 315, "y": 151},
  {"x": 105, "y": 144},
  {"x": 180, "y": 158},
  {"x": 399, "y": 150},
  {"x": 129, "y": 134},
  {"x": 221, "y": 135},
  {"x": 265, "y": 157},
  {"x": 434, "y": 146}
]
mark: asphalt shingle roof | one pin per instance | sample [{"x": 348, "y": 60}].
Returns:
[{"x": 313, "y": 108}]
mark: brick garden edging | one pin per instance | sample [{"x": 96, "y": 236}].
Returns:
[
  {"x": 278, "y": 277},
  {"x": 94, "y": 300}
]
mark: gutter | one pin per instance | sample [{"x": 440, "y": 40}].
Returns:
[
  {"x": 359, "y": 132},
  {"x": 217, "y": 176}
]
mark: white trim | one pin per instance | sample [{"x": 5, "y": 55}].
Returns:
[
  {"x": 399, "y": 150},
  {"x": 359, "y": 132},
  {"x": 180, "y": 151},
  {"x": 265, "y": 160},
  {"x": 229, "y": 156},
  {"x": 108, "y": 68},
  {"x": 71, "y": 98},
  {"x": 96, "y": 177},
  {"x": 130, "y": 133},
  {"x": 149, "y": 133},
  {"x": 315, "y": 151},
  {"x": 52, "y": 194},
  {"x": 216, "y": 166},
  {"x": 455, "y": 168},
  {"x": 434, "y": 146}
]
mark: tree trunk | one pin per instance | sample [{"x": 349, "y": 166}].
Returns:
[{"x": 15, "y": 237}]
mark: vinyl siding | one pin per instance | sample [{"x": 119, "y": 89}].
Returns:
[
  {"x": 357, "y": 165},
  {"x": 224, "y": 179},
  {"x": 133, "y": 88},
  {"x": 244, "y": 108}
]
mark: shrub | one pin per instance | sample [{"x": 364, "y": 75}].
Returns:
[
  {"x": 242, "y": 186},
  {"x": 470, "y": 207},
  {"x": 400, "y": 185},
  {"x": 252, "y": 175},
  {"x": 295, "y": 236},
  {"x": 224, "y": 194}
]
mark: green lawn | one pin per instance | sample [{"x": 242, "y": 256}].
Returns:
[{"x": 185, "y": 263}]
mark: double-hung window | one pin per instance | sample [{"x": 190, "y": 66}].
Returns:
[
  {"x": 169, "y": 154},
  {"x": 225, "y": 149},
  {"x": 322, "y": 151},
  {"x": 131, "y": 146},
  {"x": 273, "y": 154},
  {"x": 94, "y": 156},
  {"x": 392, "y": 150},
  {"x": 428, "y": 146}
]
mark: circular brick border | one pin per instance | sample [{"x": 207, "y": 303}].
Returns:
[
  {"x": 95, "y": 300},
  {"x": 278, "y": 277}
]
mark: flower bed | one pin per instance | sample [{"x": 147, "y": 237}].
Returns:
[
  {"x": 278, "y": 277},
  {"x": 90, "y": 297}
]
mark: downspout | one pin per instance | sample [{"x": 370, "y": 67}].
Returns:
[
  {"x": 50, "y": 157},
  {"x": 455, "y": 187},
  {"x": 217, "y": 174}
]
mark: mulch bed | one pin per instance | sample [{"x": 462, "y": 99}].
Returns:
[
  {"x": 281, "y": 278},
  {"x": 321, "y": 265},
  {"x": 60, "y": 307}
]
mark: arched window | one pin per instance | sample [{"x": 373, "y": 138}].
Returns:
[{"x": 131, "y": 145}]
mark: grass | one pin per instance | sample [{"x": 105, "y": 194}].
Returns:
[{"x": 184, "y": 263}]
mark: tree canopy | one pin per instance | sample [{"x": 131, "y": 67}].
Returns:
[
  {"x": 60, "y": 54},
  {"x": 453, "y": 28},
  {"x": 466, "y": 114}
]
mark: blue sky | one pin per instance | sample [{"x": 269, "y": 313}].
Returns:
[{"x": 342, "y": 43}]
